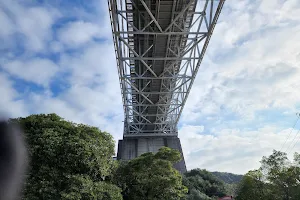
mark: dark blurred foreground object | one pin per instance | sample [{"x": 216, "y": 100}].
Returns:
[{"x": 13, "y": 160}]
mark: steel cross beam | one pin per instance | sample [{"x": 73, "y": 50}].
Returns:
[{"x": 159, "y": 47}]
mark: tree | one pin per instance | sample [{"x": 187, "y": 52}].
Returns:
[
  {"x": 282, "y": 174},
  {"x": 231, "y": 189},
  {"x": 67, "y": 160},
  {"x": 151, "y": 177},
  {"x": 203, "y": 185},
  {"x": 196, "y": 195},
  {"x": 252, "y": 186},
  {"x": 276, "y": 179}
]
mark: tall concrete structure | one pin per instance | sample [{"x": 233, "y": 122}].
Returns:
[{"x": 159, "y": 46}]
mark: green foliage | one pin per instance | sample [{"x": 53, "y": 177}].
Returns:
[
  {"x": 168, "y": 154},
  {"x": 203, "y": 185},
  {"x": 151, "y": 177},
  {"x": 67, "y": 160},
  {"x": 231, "y": 181},
  {"x": 231, "y": 189},
  {"x": 277, "y": 179},
  {"x": 82, "y": 187},
  {"x": 253, "y": 187},
  {"x": 196, "y": 195}
]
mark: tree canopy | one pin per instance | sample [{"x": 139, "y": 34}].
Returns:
[
  {"x": 151, "y": 177},
  {"x": 203, "y": 185},
  {"x": 278, "y": 179},
  {"x": 67, "y": 160}
]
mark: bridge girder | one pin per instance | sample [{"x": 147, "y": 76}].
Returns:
[{"x": 159, "y": 47}]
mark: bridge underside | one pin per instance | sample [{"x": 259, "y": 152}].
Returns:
[{"x": 159, "y": 47}]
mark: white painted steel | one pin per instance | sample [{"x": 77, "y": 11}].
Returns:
[{"x": 159, "y": 47}]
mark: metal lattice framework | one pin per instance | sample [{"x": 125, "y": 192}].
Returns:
[{"x": 159, "y": 46}]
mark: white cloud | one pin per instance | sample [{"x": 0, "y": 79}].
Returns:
[
  {"x": 95, "y": 87},
  {"x": 56, "y": 47},
  {"x": 39, "y": 71},
  {"x": 78, "y": 33},
  {"x": 252, "y": 64},
  {"x": 95, "y": 66},
  {"x": 249, "y": 66},
  {"x": 40, "y": 20},
  {"x": 7, "y": 23},
  {"x": 93, "y": 96},
  {"x": 33, "y": 23},
  {"x": 10, "y": 104},
  {"x": 97, "y": 100},
  {"x": 233, "y": 150}
]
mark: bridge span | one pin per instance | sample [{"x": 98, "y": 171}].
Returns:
[{"x": 159, "y": 46}]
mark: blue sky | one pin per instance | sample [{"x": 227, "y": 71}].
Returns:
[{"x": 57, "y": 56}]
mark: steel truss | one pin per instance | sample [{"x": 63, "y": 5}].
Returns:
[{"x": 158, "y": 60}]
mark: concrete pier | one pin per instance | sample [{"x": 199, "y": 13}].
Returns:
[{"x": 130, "y": 148}]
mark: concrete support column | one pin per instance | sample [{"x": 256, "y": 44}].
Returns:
[{"x": 130, "y": 148}]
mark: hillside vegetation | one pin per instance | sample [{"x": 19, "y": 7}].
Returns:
[{"x": 229, "y": 178}]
